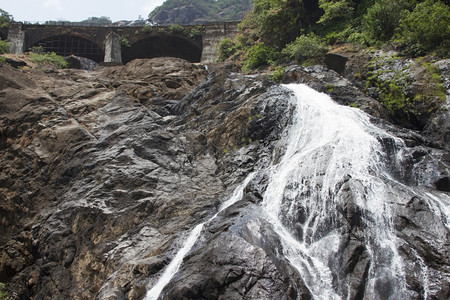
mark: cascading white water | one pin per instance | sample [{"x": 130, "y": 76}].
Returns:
[
  {"x": 327, "y": 145},
  {"x": 174, "y": 265}
]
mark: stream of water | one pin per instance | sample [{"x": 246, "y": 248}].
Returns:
[
  {"x": 192, "y": 237},
  {"x": 327, "y": 145}
]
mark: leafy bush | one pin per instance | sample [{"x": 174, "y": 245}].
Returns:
[
  {"x": 226, "y": 49},
  {"x": 124, "y": 41},
  {"x": 275, "y": 22},
  {"x": 277, "y": 75},
  {"x": 4, "y": 46},
  {"x": 259, "y": 55},
  {"x": 5, "y": 18},
  {"x": 37, "y": 49},
  {"x": 176, "y": 28},
  {"x": 381, "y": 19},
  {"x": 196, "y": 32},
  {"x": 3, "y": 293},
  {"x": 426, "y": 27},
  {"x": 335, "y": 10},
  {"x": 147, "y": 28},
  {"x": 49, "y": 59},
  {"x": 306, "y": 47}
]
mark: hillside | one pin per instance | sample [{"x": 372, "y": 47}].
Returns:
[{"x": 199, "y": 11}]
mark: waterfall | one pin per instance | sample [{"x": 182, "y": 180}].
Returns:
[
  {"x": 333, "y": 157},
  {"x": 327, "y": 146}
]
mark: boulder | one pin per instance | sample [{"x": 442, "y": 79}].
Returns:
[{"x": 336, "y": 62}]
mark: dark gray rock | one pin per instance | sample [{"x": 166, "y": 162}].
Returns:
[
  {"x": 104, "y": 173},
  {"x": 335, "y": 62},
  {"x": 73, "y": 62}
]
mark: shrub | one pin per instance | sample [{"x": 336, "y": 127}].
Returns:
[
  {"x": 124, "y": 41},
  {"x": 176, "y": 28},
  {"x": 226, "y": 49},
  {"x": 4, "y": 46},
  {"x": 37, "y": 49},
  {"x": 381, "y": 19},
  {"x": 306, "y": 47},
  {"x": 259, "y": 55},
  {"x": 335, "y": 10},
  {"x": 147, "y": 28},
  {"x": 49, "y": 59},
  {"x": 426, "y": 27},
  {"x": 3, "y": 293},
  {"x": 196, "y": 32},
  {"x": 5, "y": 18},
  {"x": 277, "y": 75}
]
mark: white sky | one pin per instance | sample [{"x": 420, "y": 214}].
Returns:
[{"x": 78, "y": 10}]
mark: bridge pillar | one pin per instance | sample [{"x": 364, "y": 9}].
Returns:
[
  {"x": 16, "y": 38},
  {"x": 214, "y": 33},
  {"x": 113, "y": 48}
]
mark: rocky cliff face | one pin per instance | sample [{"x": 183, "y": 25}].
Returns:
[
  {"x": 104, "y": 173},
  {"x": 200, "y": 12}
]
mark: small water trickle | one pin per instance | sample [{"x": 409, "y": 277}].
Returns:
[{"x": 174, "y": 265}]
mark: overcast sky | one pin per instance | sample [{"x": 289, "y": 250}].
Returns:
[{"x": 78, "y": 10}]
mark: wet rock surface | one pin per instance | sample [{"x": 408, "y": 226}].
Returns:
[{"x": 104, "y": 173}]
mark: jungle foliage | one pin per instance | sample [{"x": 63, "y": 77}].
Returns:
[
  {"x": 5, "y": 18},
  {"x": 299, "y": 30}
]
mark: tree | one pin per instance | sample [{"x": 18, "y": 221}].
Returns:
[
  {"x": 4, "y": 46},
  {"x": 276, "y": 22},
  {"x": 309, "y": 48},
  {"x": 5, "y": 18},
  {"x": 335, "y": 10},
  {"x": 427, "y": 26},
  {"x": 382, "y": 19},
  {"x": 259, "y": 55},
  {"x": 95, "y": 20}
]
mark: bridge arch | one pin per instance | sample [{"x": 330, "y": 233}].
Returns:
[
  {"x": 3, "y": 36},
  {"x": 163, "y": 45},
  {"x": 66, "y": 45}
]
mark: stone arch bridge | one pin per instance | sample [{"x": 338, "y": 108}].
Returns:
[{"x": 195, "y": 43}]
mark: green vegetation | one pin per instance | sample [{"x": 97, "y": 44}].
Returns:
[
  {"x": 3, "y": 293},
  {"x": 259, "y": 55},
  {"x": 147, "y": 28},
  {"x": 306, "y": 48},
  {"x": 427, "y": 27},
  {"x": 226, "y": 49},
  {"x": 296, "y": 32},
  {"x": 393, "y": 89},
  {"x": 5, "y": 18},
  {"x": 4, "y": 46},
  {"x": 97, "y": 21},
  {"x": 124, "y": 41},
  {"x": 48, "y": 59},
  {"x": 194, "y": 32},
  {"x": 277, "y": 76},
  {"x": 175, "y": 28},
  {"x": 37, "y": 49},
  {"x": 335, "y": 10}
]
